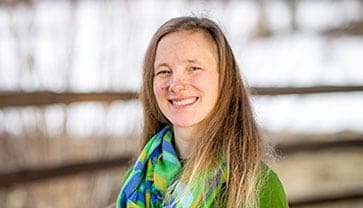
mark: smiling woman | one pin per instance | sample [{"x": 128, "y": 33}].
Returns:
[{"x": 202, "y": 147}]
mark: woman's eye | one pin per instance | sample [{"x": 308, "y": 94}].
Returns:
[
  {"x": 195, "y": 68},
  {"x": 163, "y": 72}
]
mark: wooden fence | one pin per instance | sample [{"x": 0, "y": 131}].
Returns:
[{"x": 30, "y": 174}]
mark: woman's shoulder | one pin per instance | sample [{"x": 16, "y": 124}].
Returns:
[{"x": 271, "y": 189}]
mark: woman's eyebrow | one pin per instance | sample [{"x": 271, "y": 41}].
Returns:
[
  {"x": 161, "y": 65},
  {"x": 189, "y": 61},
  {"x": 192, "y": 61}
]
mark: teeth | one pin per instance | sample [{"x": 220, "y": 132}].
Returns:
[{"x": 184, "y": 102}]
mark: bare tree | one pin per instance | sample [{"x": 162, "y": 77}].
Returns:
[
  {"x": 292, "y": 5},
  {"x": 262, "y": 28}
]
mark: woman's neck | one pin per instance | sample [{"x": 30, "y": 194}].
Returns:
[{"x": 184, "y": 141}]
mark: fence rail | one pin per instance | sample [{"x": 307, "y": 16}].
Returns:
[
  {"x": 318, "y": 146},
  {"x": 325, "y": 200},
  {"x": 30, "y": 174},
  {"x": 305, "y": 90},
  {"x": 20, "y": 99}
]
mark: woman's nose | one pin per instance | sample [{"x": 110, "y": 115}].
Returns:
[{"x": 177, "y": 83}]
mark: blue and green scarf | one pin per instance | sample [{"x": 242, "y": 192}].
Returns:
[{"x": 156, "y": 171}]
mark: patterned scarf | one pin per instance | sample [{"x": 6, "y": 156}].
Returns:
[{"x": 155, "y": 171}]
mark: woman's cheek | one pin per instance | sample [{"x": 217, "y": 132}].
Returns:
[
  {"x": 200, "y": 81},
  {"x": 159, "y": 86}
]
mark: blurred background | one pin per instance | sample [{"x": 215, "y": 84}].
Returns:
[{"x": 70, "y": 71}]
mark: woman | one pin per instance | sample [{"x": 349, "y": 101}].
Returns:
[{"x": 201, "y": 145}]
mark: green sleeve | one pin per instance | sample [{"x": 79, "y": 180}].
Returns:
[{"x": 272, "y": 193}]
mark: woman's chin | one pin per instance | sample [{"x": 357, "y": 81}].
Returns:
[{"x": 183, "y": 124}]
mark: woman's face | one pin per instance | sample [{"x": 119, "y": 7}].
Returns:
[{"x": 186, "y": 77}]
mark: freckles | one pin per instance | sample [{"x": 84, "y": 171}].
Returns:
[{"x": 160, "y": 86}]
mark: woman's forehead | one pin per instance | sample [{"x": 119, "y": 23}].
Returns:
[{"x": 185, "y": 45}]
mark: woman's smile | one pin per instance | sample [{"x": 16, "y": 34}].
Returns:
[{"x": 183, "y": 102}]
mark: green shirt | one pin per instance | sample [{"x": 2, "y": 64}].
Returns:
[{"x": 272, "y": 194}]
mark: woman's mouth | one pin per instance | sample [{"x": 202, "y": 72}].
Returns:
[{"x": 183, "y": 102}]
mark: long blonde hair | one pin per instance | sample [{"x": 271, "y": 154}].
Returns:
[{"x": 231, "y": 131}]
